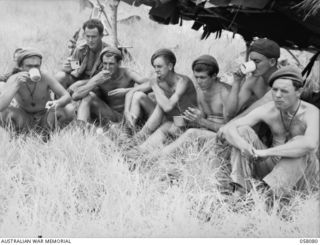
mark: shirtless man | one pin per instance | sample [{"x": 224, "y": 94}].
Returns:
[
  {"x": 212, "y": 95},
  {"x": 245, "y": 90},
  {"x": 103, "y": 96},
  {"x": 86, "y": 55},
  {"x": 291, "y": 161},
  {"x": 174, "y": 94},
  {"x": 32, "y": 97}
]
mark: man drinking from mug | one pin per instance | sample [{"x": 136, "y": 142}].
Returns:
[
  {"x": 84, "y": 61},
  {"x": 30, "y": 87}
]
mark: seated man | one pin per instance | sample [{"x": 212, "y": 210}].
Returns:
[
  {"x": 32, "y": 96},
  {"x": 174, "y": 93},
  {"x": 84, "y": 61},
  {"x": 291, "y": 161},
  {"x": 245, "y": 90},
  {"x": 212, "y": 95},
  {"x": 103, "y": 96}
]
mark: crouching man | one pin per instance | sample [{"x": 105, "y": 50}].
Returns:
[
  {"x": 30, "y": 87},
  {"x": 103, "y": 96},
  {"x": 291, "y": 161}
]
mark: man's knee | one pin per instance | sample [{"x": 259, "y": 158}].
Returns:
[
  {"x": 247, "y": 133},
  {"x": 138, "y": 96},
  {"x": 63, "y": 78}
]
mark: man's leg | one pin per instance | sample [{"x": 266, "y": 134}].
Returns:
[
  {"x": 153, "y": 122},
  {"x": 92, "y": 104},
  {"x": 157, "y": 138},
  {"x": 16, "y": 118},
  {"x": 192, "y": 133},
  {"x": 64, "y": 79},
  {"x": 243, "y": 167},
  {"x": 302, "y": 173},
  {"x": 59, "y": 117},
  {"x": 141, "y": 101}
]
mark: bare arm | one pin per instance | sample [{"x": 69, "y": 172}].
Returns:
[
  {"x": 144, "y": 87},
  {"x": 167, "y": 104},
  {"x": 10, "y": 89},
  {"x": 154, "y": 121},
  {"x": 83, "y": 91},
  {"x": 232, "y": 135},
  {"x": 58, "y": 89},
  {"x": 238, "y": 96},
  {"x": 299, "y": 145}
]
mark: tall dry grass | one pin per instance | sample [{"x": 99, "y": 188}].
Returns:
[{"x": 78, "y": 185}]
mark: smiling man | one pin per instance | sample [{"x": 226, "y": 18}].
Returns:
[
  {"x": 291, "y": 161},
  {"x": 84, "y": 61},
  {"x": 34, "y": 105}
]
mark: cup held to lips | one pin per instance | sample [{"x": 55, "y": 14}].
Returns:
[
  {"x": 74, "y": 64},
  {"x": 179, "y": 121},
  {"x": 248, "y": 67},
  {"x": 35, "y": 74}
]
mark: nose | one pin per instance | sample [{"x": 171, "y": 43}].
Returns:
[{"x": 278, "y": 93}]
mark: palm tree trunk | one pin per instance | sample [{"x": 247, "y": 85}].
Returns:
[{"x": 113, "y": 4}]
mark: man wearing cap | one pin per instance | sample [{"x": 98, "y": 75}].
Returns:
[
  {"x": 174, "y": 93},
  {"x": 103, "y": 96},
  {"x": 212, "y": 95},
  {"x": 291, "y": 161},
  {"x": 247, "y": 89},
  {"x": 32, "y": 95},
  {"x": 84, "y": 61}
]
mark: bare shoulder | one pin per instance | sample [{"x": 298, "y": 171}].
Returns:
[
  {"x": 47, "y": 78},
  {"x": 309, "y": 108}
]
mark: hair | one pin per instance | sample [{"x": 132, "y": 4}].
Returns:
[
  {"x": 297, "y": 85},
  {"x": 211, "y": 70},
  {"x": 116, "y": 56},
  {"x": 94, "y": 23}
]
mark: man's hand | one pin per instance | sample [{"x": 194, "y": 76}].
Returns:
[
  {"x": 238, "y": 76},
  {"x": 248, "y": 150},
  {"x": 22, "y": 77},
  {"x": 260, "y": 153},
  {"x": 102, "y": 76},
  {"x": 193, "y": 114},
  {"x": 118, "y": 92},
  {"x": 54, "y": 104},
  {"x": 66, "y": 66},
  {"x": 221, "y": 134}
]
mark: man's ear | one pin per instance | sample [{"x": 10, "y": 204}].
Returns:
[
  {"x": 170, "y": 65},
  {"x": 299, "y": 91},
  {"x": 273, "y": 61}
]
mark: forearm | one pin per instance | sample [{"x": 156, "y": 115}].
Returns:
[
  {"x": 292, "y": 149},
  {"x": 8, "y": 94},
  {"x": 162, "y": 100},
  {"x": 64, "y": 100},
  {"x": 233, "y": 137},
  {"x": 231, "y": 105},
  {"x": 83, "y": 91},
  {"x": 154, "y": 121},
  {"x": 209, "y": 125}
]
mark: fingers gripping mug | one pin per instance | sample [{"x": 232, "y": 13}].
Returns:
[
  {"x": 248, "y": 67},
  {"x": 34, "y": 74}
]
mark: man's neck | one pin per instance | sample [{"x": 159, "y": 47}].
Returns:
[
  {"x": 97, "y": 49},
  {"x": 169, "y": 78},
  {"x": 267, "y": 75},
  {"x": 292, "y": 109}
]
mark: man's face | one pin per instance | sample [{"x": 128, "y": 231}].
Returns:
[
  {"x": 110, "y": 64},
  {"x": 93, "y": 38},
  {"x": 162, "y": 67},
  {"x": 263, "y": 64},
  {"x": 203, "y": 79},
  {"x": 31, "y": 62},
  {"x": 284, "y": 94}
]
